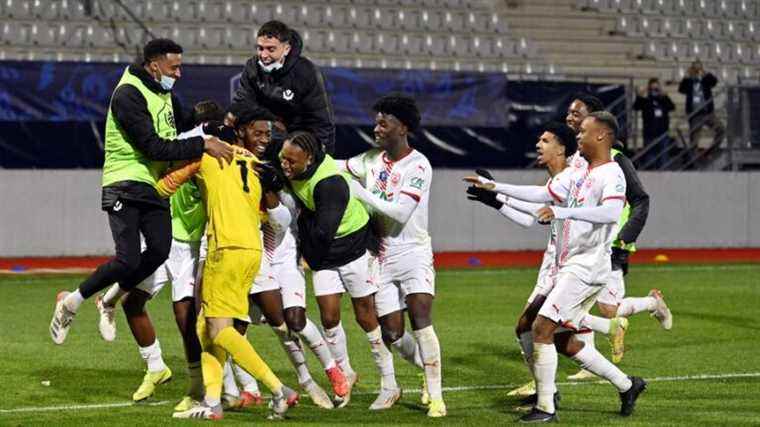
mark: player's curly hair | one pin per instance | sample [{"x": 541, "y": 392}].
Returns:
[
  {"x": 564, "y": 134},
  {"x": 306, "y": 141},
  {"x": 401, "y": 106},
  {"x": 247, "y": 115},
  {"x": 592, "y": 103}
]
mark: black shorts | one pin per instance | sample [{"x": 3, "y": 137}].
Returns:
[{"x": 620, "y": 260}]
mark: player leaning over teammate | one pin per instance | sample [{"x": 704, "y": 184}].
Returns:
[
  {"x": 335, "y": 239},
  {"x": 591, "y": 200},
  {"x": 232, "y": 195},
  {"x": 612, "y": 301},
  {"x": 393, "y": 181}
]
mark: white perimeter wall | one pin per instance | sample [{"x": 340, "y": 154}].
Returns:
[{"x": 57, "y": 213}]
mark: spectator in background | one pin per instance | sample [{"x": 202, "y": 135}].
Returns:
[
  {"x": 287, "y": 84},
  {"x": 655, "y": 107},
  {"x": 697, "y": 86}
]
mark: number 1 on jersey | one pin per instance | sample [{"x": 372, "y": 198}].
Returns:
[{"x": 243, "y": 173}]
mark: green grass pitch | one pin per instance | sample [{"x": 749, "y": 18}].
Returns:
[{"x": 706, "y": 371}]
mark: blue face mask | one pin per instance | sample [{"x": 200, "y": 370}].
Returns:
[{"x": 167, "y": 82}]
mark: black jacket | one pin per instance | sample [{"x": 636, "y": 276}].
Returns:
[
  {"x": 130, "y": 111},
  {"x": 655, "y": 124},
  {"x": 708, "y": 81},
  {"x": 316, "y": 229},
  {"x": 636, "y": 197},
  {"x": 295, "y": 93}
]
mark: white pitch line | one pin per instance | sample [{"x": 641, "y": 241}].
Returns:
[
  {"x": 415, "y": 390},
  {"x": 643, "y": 269}
]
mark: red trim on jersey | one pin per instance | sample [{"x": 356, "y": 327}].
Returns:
[
  {"x": 554, "y": 195},
  {"x": 388, "y": 160},
  {"x": 416, "y": 197}
]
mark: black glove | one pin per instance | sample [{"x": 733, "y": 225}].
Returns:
[
  {"x": 219, "y": 130},
  {"x": 269, "y": 177},
  {"x": 484, "y": 196},
  {"x": 484, "y": 173}
]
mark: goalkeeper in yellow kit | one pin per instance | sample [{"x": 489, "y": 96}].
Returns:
[{"x": 232, "y": 194}]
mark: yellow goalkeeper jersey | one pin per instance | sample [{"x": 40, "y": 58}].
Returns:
[{"x": 232, "y": 195}]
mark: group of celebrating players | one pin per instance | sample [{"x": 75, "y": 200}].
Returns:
[{"x": 252, "y": 204}]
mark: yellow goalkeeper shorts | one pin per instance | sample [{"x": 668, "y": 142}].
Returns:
[{"x": 227, "y": 277}]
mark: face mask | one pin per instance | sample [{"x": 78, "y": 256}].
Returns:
[
  {"x": 275, "y": 65},
  {"x": 268, "y": 68},
  {"x": 167, "y": 82}
]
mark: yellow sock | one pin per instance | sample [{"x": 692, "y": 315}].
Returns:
[
  {"x": 212, "y": 376},
  {"x": 246, "y": 357}
]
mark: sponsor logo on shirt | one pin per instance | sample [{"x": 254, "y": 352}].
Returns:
[{"x": 417, "y": 183}]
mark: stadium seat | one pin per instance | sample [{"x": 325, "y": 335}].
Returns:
[
  {"x": 313, "y": 41},
  {"x": 308, "y": 16},
  {"x": 739, "y": 53},
  {"x": 362, "y": 42},
  {"x": 678, "y": 50},
  {"x": 42, "y": 34},
  {"x": 336, "y": 16},
  {"x": 684, "y": 7},
  {"x": 411, "y": 44},
  {"x": 157, "y": 11},
  {"x": 453, "y": 21},
  {"x": 71, "y": 9},
  {"x": 210, "y": 37},
  {"x": 747, "y": 9},
  {"x": 18, "y": 9},
  {"x": 751, "y": 31},
  {"x": 183, "y": 11},
  {"x": 72, "y": 35},
  {"x": 407, "y": 19},
  {"x": 692, "y": 28},
  {"x": 386, "y": 43},
  {"x": 46, "y": 10},
  {"x": 434, "y": 45},
  {"x": 431, "y": 20},
  {"x": 184, "y": 35},
  {"x": 99, "y": 36},
  {"x": 496, "y": 24},
  {"x": 285, "y": 12},
  {"x": 754, "y": 55},
  {"x": 651, "y": 27},
  {"x": 258, "y": 14},
  {"x": 525, "y": 48},
  {"x": 211, "y": 11},
  {"x": 706, "y": 8},
  {"x": 382, "y": 19},
  {"x": 239, "y": 37},
  {"x": 503, "y": 47},
  {"x": 727, "y": 9},
  {"x": 337, "y": 41}
]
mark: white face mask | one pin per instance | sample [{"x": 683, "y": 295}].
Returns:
[
  {"x": 275, "y": 65},
  {"x": 268, "y": 68},
  {"x": 167, "y": 82}
]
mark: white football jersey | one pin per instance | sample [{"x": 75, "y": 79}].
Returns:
[
  {"x": 584, "y": 248},
  {"x": 281, "y": 247},
  {"x": 392, "y": 181}
]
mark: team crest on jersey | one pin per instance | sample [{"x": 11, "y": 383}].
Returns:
[
  {"x": 382, "y": 176},
  {"x": 417, "y": 183},
  {"x": 288, "y": 95}
]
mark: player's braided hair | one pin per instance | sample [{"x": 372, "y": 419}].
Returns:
[
  {"x": 306, "y": 141},
  {"x": 401, "y": 106}
]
